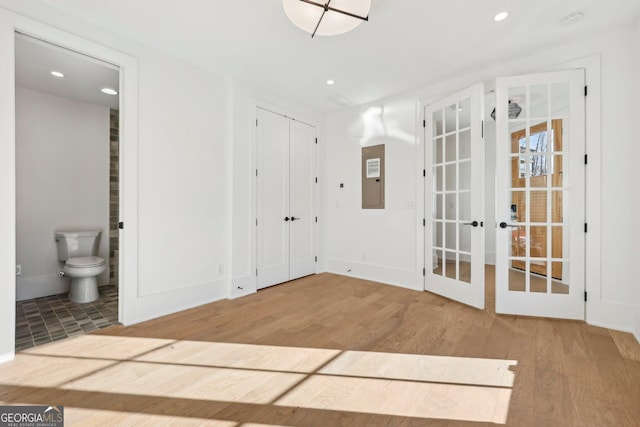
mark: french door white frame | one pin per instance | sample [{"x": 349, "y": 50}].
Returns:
[
  {"x": 526, "y": 301},
  {"x": 598, "y": 311},
  {"x": 461, "y": 160}
]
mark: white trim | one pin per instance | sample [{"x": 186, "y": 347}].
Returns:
[
  {"x": 247, "y": 283},
  {"x": 175, "y": 300},
  {"x": 7, "y": 357},
  {"x": 375, "y": 273},
  {"x": 128, "y": 268},
  {"x": 7, "y": 190},
  {"x": 229, "y": 199},
  {"x": 420, "y": 191}
]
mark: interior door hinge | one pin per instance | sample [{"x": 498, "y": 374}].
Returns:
[
  {"x": 585, "y": 90},
  {"x": 256, "y": 172},
  {"x": 316, "y": 140},
  {"x": 482, "y": 128},
  {"x": 424, "y": 172},
  {"x": 585, "y": 296},
  {"x": 256, "y": 222},
  {"x": 316, "y": 179},
  {"x": 316, "y": 259},
  {"x": 586, "y": 159},
  {"x": 256, "y": 271},
  {"x": 585, "y": 227},
  {"x": 316, "y": 219},
  {"x": 424, "y": 222},
  {"x": 256, "y": 122},
  {"x": 424, "y": 123},
  {"x": 121, "y": 225},
  {"x": 424, "y": 271}
]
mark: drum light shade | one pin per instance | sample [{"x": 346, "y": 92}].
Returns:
[{"x": 327, "y": 19}]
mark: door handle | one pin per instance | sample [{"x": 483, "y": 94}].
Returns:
[
  {"x": 473, "y": 223},
  {"x": 286, "y": 218},
  {"x": 294, "y": 218},
  {"x": 505, "y": 225}
]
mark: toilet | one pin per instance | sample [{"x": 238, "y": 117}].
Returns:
[{"x": 79, "y": 249}]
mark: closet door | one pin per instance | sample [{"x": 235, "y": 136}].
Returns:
[
  {"x": 286, "y": 199},
  {"x": 301, "y": 200},
  {"x": 273, "y": 198}
]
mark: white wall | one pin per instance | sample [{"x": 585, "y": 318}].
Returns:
[
  {"x": 62, "y": 183},
  {"x": 174, "y": 178},
  {"x": 376, "y": 244},
  {"x": 387, "y": 237},
  {"x": 7, "y": 193}
]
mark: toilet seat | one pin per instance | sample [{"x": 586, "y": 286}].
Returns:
[{"x": 85, "y": 261}]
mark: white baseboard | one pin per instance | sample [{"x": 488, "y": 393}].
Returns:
[
  {"x": 162, "y": 304},
  {"x": 377, "y": 273},
  {"x": 7, "y": 357},
  {"x": 619, "y": 317},
  {"x": 41, "y": 286},
  {"x": 242, "y": 286}
]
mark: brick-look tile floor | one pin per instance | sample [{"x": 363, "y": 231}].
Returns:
[{"x": 52, "y": 318}]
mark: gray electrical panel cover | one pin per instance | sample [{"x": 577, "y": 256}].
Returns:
[{"x": 373, "y": 177}]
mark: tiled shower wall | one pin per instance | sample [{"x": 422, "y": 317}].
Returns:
[{"x": 114, "y": 196}]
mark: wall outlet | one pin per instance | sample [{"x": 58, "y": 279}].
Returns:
[{"x": 18, "y": 269}]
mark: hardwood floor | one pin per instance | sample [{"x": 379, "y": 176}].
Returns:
[{"x": 328, "y": 350}]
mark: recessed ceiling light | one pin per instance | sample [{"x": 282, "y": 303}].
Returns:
[
  {"x": 572, "y": 18},
  {"x": 330, "y": 82},
  {"x": 57, "y": 74},
  {"x": 501, "y": 16},
  {"x": 109, "y": 91}
]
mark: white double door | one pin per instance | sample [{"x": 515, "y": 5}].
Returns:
[{"x": 286, "y": 182}]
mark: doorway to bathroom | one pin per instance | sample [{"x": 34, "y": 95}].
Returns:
[{"x": 67, "y": 178}]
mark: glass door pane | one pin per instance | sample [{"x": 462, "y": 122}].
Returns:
[
  {"x": 539, "y": 212},
  {"x": 454, "y": 154}
]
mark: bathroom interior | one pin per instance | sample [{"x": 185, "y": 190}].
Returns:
[{"x": 67, "y": 193}]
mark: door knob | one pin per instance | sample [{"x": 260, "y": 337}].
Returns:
[
  {"x": 294, "y": 218},
  {"x": 505, "y": 225},
  {"x": 474, "y": 223},
  {"x": 286, "y": 218}
]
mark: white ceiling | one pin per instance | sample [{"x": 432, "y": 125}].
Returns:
[
  {"x": 84, "y": 76},
  {"x": 406, "y": 44}
]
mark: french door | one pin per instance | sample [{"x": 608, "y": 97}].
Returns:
[
  {"x": 540, "y": 190},
  {"x": 285, "y": 199},
  {"x": 454, "y": 202}
]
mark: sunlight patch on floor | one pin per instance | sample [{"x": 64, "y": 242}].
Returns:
[{"x": 406, "y": 385}]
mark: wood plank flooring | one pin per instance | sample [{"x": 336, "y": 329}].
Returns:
[{"x": 328, "y": 350}]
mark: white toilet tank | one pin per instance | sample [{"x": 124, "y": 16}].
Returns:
[{"x": 73, "y": 244}]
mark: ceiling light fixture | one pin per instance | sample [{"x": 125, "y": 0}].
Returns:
[
  {"x": 325, "y": 20},
  {"x": 330, "y": 82},
  {"x": 57, "y": 74},
  {"x": 501, "y": 16},
  {"x": 109, "y": 91},
  {"x": 514, "y": 110}
]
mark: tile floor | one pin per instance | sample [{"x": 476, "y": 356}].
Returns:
[{"x": 52, "y": 318}]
